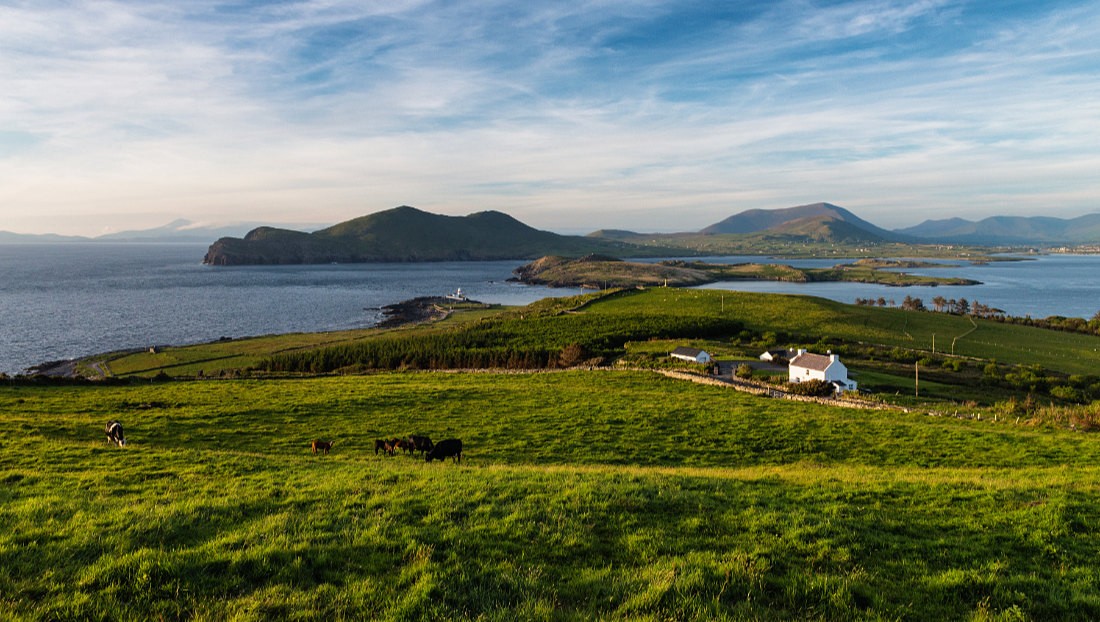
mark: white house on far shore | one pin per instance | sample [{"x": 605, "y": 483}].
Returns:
[
  {"x": 807, "y": 366},
  {"x": 690, "y": 354}
]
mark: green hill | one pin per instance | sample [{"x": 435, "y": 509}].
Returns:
[
  {"x": 408, "y": 234},
  {"x": 966, "y": 364}
]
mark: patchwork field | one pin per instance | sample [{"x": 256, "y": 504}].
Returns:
[{"x": 581, "y": 495}]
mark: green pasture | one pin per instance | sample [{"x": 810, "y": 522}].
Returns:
[
  {"x": 582, "y": 495},
  {"x": 810, "y": 318}
]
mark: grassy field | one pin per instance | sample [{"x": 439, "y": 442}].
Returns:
[
  {"x": 582, "y": 495},
  {"x": 825, "y": 320}
]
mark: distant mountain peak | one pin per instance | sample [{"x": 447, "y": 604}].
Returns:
[{"x": 814, "y": 220}]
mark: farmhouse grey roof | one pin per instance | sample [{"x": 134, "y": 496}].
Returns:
[
  {"x": 816, "y": 362},
  {"x": 685, "y": 351}
]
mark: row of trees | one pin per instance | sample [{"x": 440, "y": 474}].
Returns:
[
  {"x": 976, "y": 309},
  {"x": 962, "y": 306}
]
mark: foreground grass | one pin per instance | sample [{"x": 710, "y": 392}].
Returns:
[{"x": 583, "y": 495}]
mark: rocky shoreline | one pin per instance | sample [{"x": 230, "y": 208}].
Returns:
[
  {"x": 419, "y": 310},
  {"x": 52, "y": 369}
]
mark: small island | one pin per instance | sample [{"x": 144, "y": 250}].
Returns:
[{"x": 601, "y": 272}]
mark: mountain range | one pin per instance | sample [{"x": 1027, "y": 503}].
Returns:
[
  {"x": 825, "y": 222},
  {"x": 176, "y": 232},
  {"x": 409, "y": 234},
  {"x": 1010, "y": 230}
]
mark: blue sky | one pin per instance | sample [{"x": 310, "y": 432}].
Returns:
[{"x": 648, "y": 115}]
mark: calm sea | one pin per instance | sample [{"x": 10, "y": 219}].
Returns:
[
  {"x": 66, "y": 301},
  {"x": 1039, "y": 286}
]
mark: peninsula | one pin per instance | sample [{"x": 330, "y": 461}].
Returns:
[{"x": 599, "y": 272}]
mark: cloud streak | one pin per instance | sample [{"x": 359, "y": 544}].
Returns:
[{"x": 654, "y": 115}]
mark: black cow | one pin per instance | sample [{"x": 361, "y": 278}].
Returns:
[
  {"x": 450, "y": 448},
  {"x": 114, "y": 433},
  {"x": 423, "y": 444}
]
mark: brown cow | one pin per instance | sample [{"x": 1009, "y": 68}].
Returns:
[
  {"x": 421, "y": 443},
  {"x": 324, "y": 446},
  {"x": 384, "y": 445}
]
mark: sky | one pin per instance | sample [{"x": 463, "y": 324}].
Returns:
[{"x": 648, "y": 115}]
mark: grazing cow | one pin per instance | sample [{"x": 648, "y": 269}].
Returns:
[
  {"x": 404, "y": 445},
  {"x": 423, "y": 444},
  {"x": 386, "y": 446},
  {"x": 324, "y": 446},
  {"x": 114, "y": 433},
  {"x": 450, "y": 448}
]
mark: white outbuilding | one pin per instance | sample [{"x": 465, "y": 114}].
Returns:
[
  {"x": 778, "y": 356},
  {"x": 690, "y": 354}
]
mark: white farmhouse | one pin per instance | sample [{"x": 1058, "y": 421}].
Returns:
[
  {"x": 807, "y": 366},
  {"x": 690, "y": 354}
]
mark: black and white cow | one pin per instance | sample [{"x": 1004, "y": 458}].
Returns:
[{"x": 114, "y": 433}]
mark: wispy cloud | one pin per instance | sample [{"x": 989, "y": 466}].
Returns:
[{"x": 663, "y": 115}]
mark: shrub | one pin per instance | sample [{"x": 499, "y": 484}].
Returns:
[
  {"x": 1067, "y": 393},
  {"x": 812, "y": 388},
  {"x": 744, "y": 370},
  {"x": 572, "y": 354}
]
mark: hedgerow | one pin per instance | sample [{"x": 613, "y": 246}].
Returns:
[{"x": 511, "y": 342}]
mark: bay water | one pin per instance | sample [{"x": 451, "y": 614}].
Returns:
[{"x": 61, "y": 301}]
